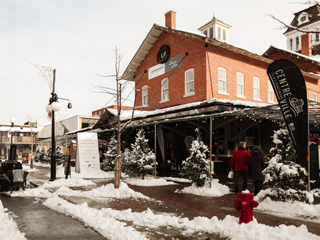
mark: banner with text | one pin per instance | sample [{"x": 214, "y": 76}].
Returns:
[
  {"x": 87, "y": 161},
  {"x": 290, "y": 89}
]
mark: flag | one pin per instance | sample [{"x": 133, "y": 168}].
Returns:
[{"x": 290, "y": 89}]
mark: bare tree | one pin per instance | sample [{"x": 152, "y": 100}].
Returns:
[{"x": 117, "y": 126}]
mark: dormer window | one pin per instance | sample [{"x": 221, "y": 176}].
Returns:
[{"x": 303, "y": 18}]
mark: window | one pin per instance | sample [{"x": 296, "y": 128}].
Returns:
[
  {"x": 211, "y": 32},
  {"x": 219, "y": 32},
  {"x": 206, "y": 33},
  {"x": 222, "y": 80},
  {"x": 270, "y": 93},
  {"x": 189, "y": 81},
  {"x": 164, "y": 90},
  {"x": 224, "y": 34},
  {"x": 315, "y": 97},
  {"x": 317, "y": 37},
  {"x": 256, "y": 88},
  {"x": 291, "y": 44},
  {"x": 240, "y": 84},
  {"x": 145, "y": 96},
  {"x": 297, "y": 43}
]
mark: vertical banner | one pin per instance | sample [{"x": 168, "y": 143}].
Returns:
[{"x": 290, "y": 89}]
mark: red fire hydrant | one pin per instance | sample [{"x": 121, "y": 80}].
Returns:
[{"x": 245, "y": 204}]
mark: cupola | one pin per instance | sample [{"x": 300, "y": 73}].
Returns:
[{"x": 216, "y": 29}]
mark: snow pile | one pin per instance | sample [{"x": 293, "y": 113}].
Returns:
[
  {"x": 108, "y": 222},
  {"x": 70, "y": 182},
  {"x": 8, "y": 228},
  {"x": 96, "y": 219},
  {"x": 106, "y": 191},
  {"x": 148, "y": 181},
  {"x": 291, "y": 209},
  {"x": 216, "y": 189},
  {"x": 95, "y": 174}
]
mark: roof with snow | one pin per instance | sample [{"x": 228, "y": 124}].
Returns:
[
  {"x": 214, "y": 108},
  {"x": 154, "y": 35}
]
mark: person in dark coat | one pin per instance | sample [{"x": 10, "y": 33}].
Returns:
[
  {"x": 240, "y": 165},
  {"x": 257, "y": 164}
]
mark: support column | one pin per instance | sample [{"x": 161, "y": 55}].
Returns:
[{"x": 155, "y": 150}]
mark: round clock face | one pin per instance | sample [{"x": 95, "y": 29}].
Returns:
[
  {"x": 303, "y": 18},
  {"x": 163, "y": 54}
]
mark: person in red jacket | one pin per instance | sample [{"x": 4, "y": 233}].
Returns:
[{"x": 240, "y": 165}]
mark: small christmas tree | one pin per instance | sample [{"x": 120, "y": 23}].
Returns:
[
  {"x": 287, "y": 178},
  {"x": 40, "y": 155},
  {"x": 111, "y": 154},
  {"x": 140, "y": 162},
  {"x": 195, "y": 167},
  {"x": 59, "y": 155}
]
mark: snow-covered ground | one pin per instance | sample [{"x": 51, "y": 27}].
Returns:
[{"x": 113, "y": 224}]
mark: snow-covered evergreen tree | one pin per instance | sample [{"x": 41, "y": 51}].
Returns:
[
  {"x": 111, "y": 154},
  {"x": 287, "y": 178},
  {"x": 195, "y": 167},
  {"x": 40, "y": 155},
  {"x": 59, "y": 155},
  {"x": 140, "y": 162}
]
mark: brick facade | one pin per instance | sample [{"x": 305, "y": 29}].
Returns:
[{"x": 205, "y": 73}]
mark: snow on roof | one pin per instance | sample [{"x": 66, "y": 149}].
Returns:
[
  {"x": 194, "y": 104},
  {"x": 18, "y": 129}
]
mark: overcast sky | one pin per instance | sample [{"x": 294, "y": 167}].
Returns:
[{"x": 78, "y": 38}]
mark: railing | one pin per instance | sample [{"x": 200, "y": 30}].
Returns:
[{"x": 16, "y": 140}]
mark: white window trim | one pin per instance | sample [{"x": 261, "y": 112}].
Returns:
[
  {"x": 162, "y": 89},
  {"x": 224, "y": 92},
  {"x": 257, "y": 99},
  {"x": 315, "y": 97},
  {"x": 240, "y": 95},
  {"x": 143, "y": 95},
  {"x": 270, "y": 85},
  {"x": 186, "y": 93}
]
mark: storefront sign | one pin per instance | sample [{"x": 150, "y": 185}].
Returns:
[{"x": 170, "y": 65}]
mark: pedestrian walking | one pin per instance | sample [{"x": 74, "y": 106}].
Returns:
[
  {"x": 257, "y": 165},
  {"x": 240, "y": 165}
]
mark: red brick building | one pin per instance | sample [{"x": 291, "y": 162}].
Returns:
[
  {"x": 202, "y": 68},
  {"x": 186, "y": 81}
]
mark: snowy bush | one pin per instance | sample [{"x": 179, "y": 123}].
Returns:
[
  {"x": 141, "y": 160},
  {"x": 47, "y": 156},
  {"x": 111, "y": 155},
  {"x": 195, "y": 167},
  {"x": 287, "y": 178},
  {"x": 40, "y": 155}
]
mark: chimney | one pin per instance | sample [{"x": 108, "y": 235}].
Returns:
[
  {"x": 171, "y": 19},
  {"x": 306, "y": 48}
]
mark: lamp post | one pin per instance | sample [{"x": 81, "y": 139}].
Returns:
[
  {"x": 12, "y": 156},
  {"x": 52, "y": 107}
]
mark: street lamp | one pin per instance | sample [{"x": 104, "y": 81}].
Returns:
[
  {"x": 12, "y": 149},
  {"x": 51, "y": 108}
]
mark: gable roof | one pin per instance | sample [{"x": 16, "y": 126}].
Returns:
[
  {"x": 271, "y": 50},
  {"x": 154, "y": 35},
  {"x": 313, "y": 16}
]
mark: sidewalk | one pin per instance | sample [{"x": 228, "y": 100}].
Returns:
[{"x": 184, "y": 205}]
